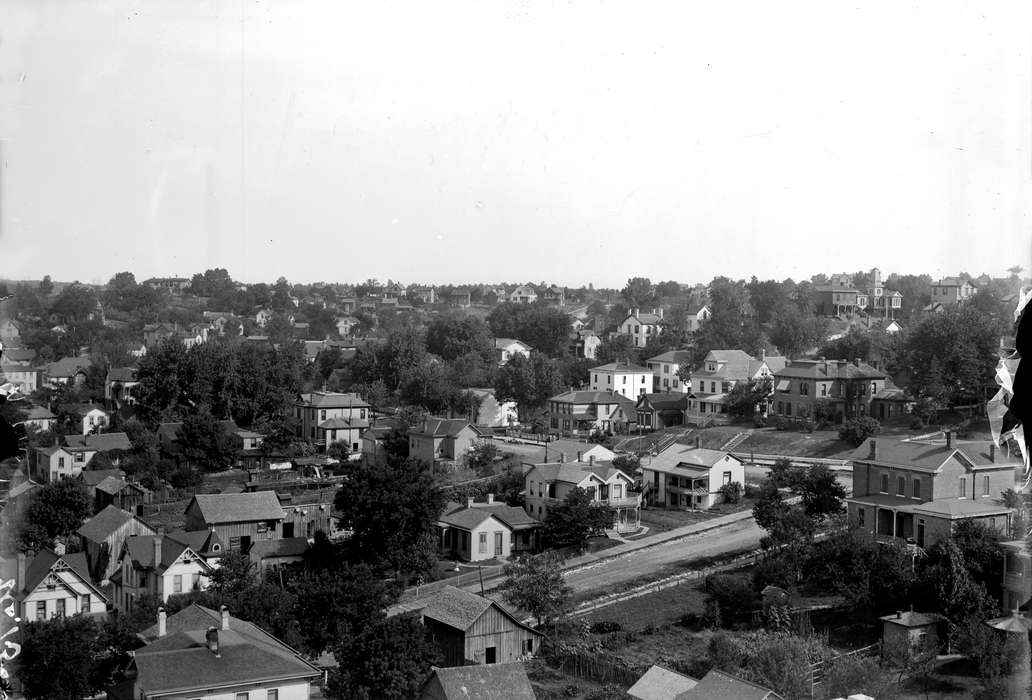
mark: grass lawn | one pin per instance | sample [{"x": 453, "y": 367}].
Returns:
[
  {"x": 654, "y": 609},
  {"x": 664, "y": 519}
]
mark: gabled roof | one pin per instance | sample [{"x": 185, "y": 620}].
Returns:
[
  {"x": 461, "y": 515},
  {"x": 484, "y": 682},
  {"x": 19, "y": 354},
  {"x": 237, "y": 507},
  {"x": 621, "y": 367},
  {"x": 103, "y": 524},
  {"x": 909, "y": 618},
  {"x": 204, "y": 542},
  {"x": 326, "y": 399},
  {"x": 569, "y": 449},
  {"x": 647, "y": 319},
  {"x": 576, "y": 472},
  {"x": 930, "y": 456},
  {"x": 830, "y": 369},
  {"x": 951, "y": 282},
  {"x": 443, "y": 427},
  {"x": 68, "y": 366},
  {"x": 465, "y": 518},
  {"x": 40, "y": 566},
  {"x": 503, "y": 343},
  {"x": 140, "y": 549},
  {"x": 731, "y": 364},
  {"x": 589, "y": 397},
  {"x": 460, "y": 609},
  {"x": 39, "y": 413},
  {"x": 674, "y": 357},
  {"x": 660, "y": 683},
  {"x": 92, "y": 477},
  {"x": 102, "y": 442},
  {"x": 343, "y": 423},
  {"x": 687, "y": 459},
  {"x": 663, "y": 401},
  {"x": 718, "y": 685}
]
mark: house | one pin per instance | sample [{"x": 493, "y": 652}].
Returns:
[
  {"x": 40, "y": 418},
  {"x": 307, "y": 512},
  {"x": 91, "y": 477},
  {"x": 574, "y": 413},
  {"x": 19, "y": 357},
  {"x": 488, "y": 530},
  {"x": 585, "y": 343},
  {"x": 916, "y": 491},
  {"x": 172, "y": 285},
  {"x": 549, "y": 484},
  {"x": 156, "y": 334},
  {"x": 10, "y": 331},
  {"x": 461, "y": 297},
  {"x": 119, "y": 385},
  {"x": 570, "y": 451},
  {"x": 263, "y": 316},
  {"x": 490, "y": 413},
  {"x": 660, "y": 683},
  {"x": 203, "y": 654},
  {"x": 103, "y": 535},
  {"x": 696, "y": 315},
  {"x": 269, "y": 555},
  {"x": 471, "y": 629},
  {"x": 507, "y": 348},
  {"x": 157, "y": 565},
  {"x": 94, "y": 418},
  {"x": 101, "y": 442},
  {"x": 720, "y": 685},
  {"x": 25, "y": 379},
  {"x": 444, "y": 440},
  {"x": 623, "y": 378},
  {"x": 950, "y": 291},
  {"x": 312, "y": 348},
  {"x": 55, "y": 584},
  {"x": 664, "y": 368},
  {"x": 346, "y": 326},
  {"x": 373, "y": 442},
  {"x": 661, "y": 410},
  {"x": 425, "y": 295},
  {"x": 69, "y": 459},
  {"x": 68, "y": 371},
  {"x": 847, "y": 389},
  {"x": 1017, "y": 575},
  {"x": 116, "y": 491},
  {"x": 553, "y": 296},
  {"x": 905, "y": 634},
  {"x": 721, "y": 370},
  {"x": 524, "y": 294},
  {"x": 495, "y": 682},
  {"x": 641, "y": 327},
  {"x": 316, "y": 413},
  {"x": 690, "y": 477},
  {"x": 239, "y": 519}
]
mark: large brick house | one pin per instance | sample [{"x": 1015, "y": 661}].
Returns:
[
  {"x": 324, "y": 417},
  {"x": 574, "y": 412},
  {"x": 849, "y": 389},
  {"x": 916, "y": 491}
]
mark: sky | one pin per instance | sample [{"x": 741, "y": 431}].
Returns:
[{"x": 568, "y": 142}]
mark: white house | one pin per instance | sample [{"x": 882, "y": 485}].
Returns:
[
  {"x": 524, "y": 294},
  {"x": 624, "y": 378},
  {"x": 549, "y": 484},
  {"x": 94, "y": 421},
  {"x": 55, "y": 585},
  {"x": 684, "y": 476},
  {"x": 641, "y": 327},
  {"x": 507, "y": 348},
  {"x": 163, "y": 565},
  {"x": 695, "y": 316},
  {"x": 664, "y": 369}
]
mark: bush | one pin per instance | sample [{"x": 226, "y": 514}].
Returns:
[
  {"x": 732, "y": 492},
  {"x": 752, "y": 490},
  {"x": 759, "y": 421},
  {"x": 781, "y": 423},
  {"x": 730, "y": 599},
  {"x": 856, "y": 430},
  {"x": 605, "y": 627},
  {"x": 916, "y": 423}
]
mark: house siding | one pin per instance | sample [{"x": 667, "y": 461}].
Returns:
[{"x": 495, "y": 629}]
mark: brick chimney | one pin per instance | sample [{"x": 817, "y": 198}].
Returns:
[
  {"x": 469, "y": 502},
  {"x": 562, "y": 457},
  {"x": 698, "y": 442},
  {"x": 591, "y": 459},
  {"x": 490, "y": 499},
  {"x": 20, "y": 580},
  {"x": 225, "y": 616},
  {"x": 992, "y": 452},
  {"x": 949, "y": 439},
  {"x": 211, "y": 640},
  {"x": 580, "y": 456},
  {"x": 157, "y": 546},
  {"x": 857, "y": 361},
  {"x": 161, "y": 622},
  {"x": 874, "y": 449}
]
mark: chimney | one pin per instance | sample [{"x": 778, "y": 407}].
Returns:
[
  {"x": 469, "y": 502},
  {"x": 763, "y": 354},
  {"x": 591, "y": 459},
  {"x": 225, "y": 617},
  {"x": 698, "y": 442},
  {"x": 490, "y": 499},
  {"x": 992, "y": 451},
  {"x": 157, "y": 547},
  {"x": 562, "y": 457},
  {"x": 211, "y": 639},
  {"x": 580, "y": 456},
  {"x": 20, "y": 581},
  {"x": 857, "y": 362},
  {"x": 899, "y": 614},
  {"x": 874, "y": 449},
  {"x": 161, "y": 622},
  {"x": 949, "y": 439}
]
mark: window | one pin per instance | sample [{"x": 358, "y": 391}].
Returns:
[
  {"x": 84, "y": 603},
  {"x": 272, "y": 694},
  {"x": 962, "y": 489},
  {"x": 781, "y": 407},
  {"x": 41, "y": 610},
  {"x": 625, "y": 379},
  {"x": 196, "y": 586},
  {"x": 727, "y": 478},
  {"x": 666, "y": 369},
  {"x": 528, "y": 646},
  {"x": 804, "y": 389},
  {"x": 884, "y": 483},
  {"x": 234, "y": 544},
  {"x": 483, "y": 543},
  {"x": 788, "y": 408},
  {"x": 713, "y": 387},
  {"x": 874, "y": 388},
  {"x": 917, "y": 488},
  {"x": 860, "y": 517},
  {"x": 609, "y": 379},
  {"x": 60, "y": 462},
  {"x": 243, "y": 696},
  {"x": 985, "y": 485},
  {"x": 824, "y": 389},
  {"x": 177, "y": 583},
  {"x": 60, "y": 611},
  {"x": 901, "y": 485},
  {"x": 322, "y": 414}
]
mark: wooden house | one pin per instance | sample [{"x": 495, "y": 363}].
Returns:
[
  {"x": 239, "y": 519},
  {"x": 53, "y": 584},
  {"x": 472, "y": 629},
  {"x": 102, "y": 537}
]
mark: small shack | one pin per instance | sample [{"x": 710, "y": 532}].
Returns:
[{"x": 908, "y": 634}]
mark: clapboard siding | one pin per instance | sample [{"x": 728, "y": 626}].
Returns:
[{"x": 495, "y": 629}]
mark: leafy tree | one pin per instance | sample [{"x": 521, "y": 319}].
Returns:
[
  {"x": 856, "y": 430},
  {"x": 870, "y": 576},
  {"x": 55, "y": 510},
  {"x": 59, "y": 657},
  {"x": 453, "y": 335},
  {"x": 530, "y": 382},
  {"x": 339, "y": 450},
  {"x": 205, "y": 442},
  {"x": 955, "y": 593},
  {"x": 46, "y": 287},
  {"x": 617, "y": 348},
  {"x": 768, "y": 298},
  {"x": 429, "y": 385},
  {"x": 388, "y": 659},
  {"x": 794, "y": 332},
  {"x": 536, "y": 584},
  {"x": 543, "y": 327},
  {"x": 392, "y": 510},
  {"x": 745, "y": 397},
  {"x": 639, "y": 292},
  {"x": 576, "y": 518},
  {"x": 770, "y": 506},
  {"x": 822, "y": 493},
  {"x": 482, "y": 455},
  {"x": 952, "y": 355}
]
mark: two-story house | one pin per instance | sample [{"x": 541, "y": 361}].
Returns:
[
  {"x": 841, "y": 297},
  {"x": 661, "y": 410},
  {"x": 664, "y": 368},
  {"x": 39, "y": 417},
  {"x": 721, "y": 370},
  {"x": 68, "y": 371},
  {"x": 507, "y": 348},
  {"x": 641, "y": 327},
  {"x": 172, "y": 285},
  {"x": 69, "y": 459},
  {"x": 554, "y": 296},
  {"x": 524, "y": 294},
  {"x": 848, "y": 389},
  {"x": 204, "y": 654},
  {"x": 119, "y": 386},
  {"x": 24, "y": 378},
  {"x": 425, "y": 295},
  {"x": 346, "y": 326},
  {"x": 160, "y": 565},
  {"x": 325, "y": 417},
  {"x": 442, "y": 441},
  {"x": 103, "y": 535},
  {"x": 690, "y": 477},
  {"x": 485, "y": 530},
  {"x": 951, "y": 291},
  {"x": 55, "y": 584},
  {"x": 237, "y": 518},
  {"x": 581, "y": 413},
  {"x": 696, "y": 315},
  {"x": 915, "y": 491},
  {"x": 623, "y": 378},
  {"x": 549, "y": 484},
  {"x": 584, "y": 342}
]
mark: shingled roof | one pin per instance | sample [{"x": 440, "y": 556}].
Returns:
[
  {"x": 237, "y": 507},
  {"x": 103, "y": 524},
  {"x": 102, "y": 442},
  {"x": 43, "y": 563},
  {"x": 482, "y": 682},
  {"x": 930, "y": 456},
  {"x": 443, "y": 427},
  {"x": 460, "y": 609}
]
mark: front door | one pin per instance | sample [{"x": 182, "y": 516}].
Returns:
[
  {"x": 920, "y": 533},
  {"x": 498, "y": 544},
  {"x": 288, "y": 530},
  {"x": 490, "y": 655}
]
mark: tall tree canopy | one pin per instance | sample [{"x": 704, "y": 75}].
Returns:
[{"x": 529, "y": 381}]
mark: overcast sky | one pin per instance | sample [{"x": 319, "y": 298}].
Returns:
[{"x": 574, "y": 142}]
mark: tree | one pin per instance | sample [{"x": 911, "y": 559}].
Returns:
[
  {"x": 59, "y": 657},
  {"x": 392, "y": 510},
  {"x": 46, "y": 287},
  {"x": 617, "y": 348},
  {"x": 530, "y": 382},
  {"x": 453, "y": 335},
  {"x": 952, "y": 355},
  {"x": 429, "y": 385},
  {"x": 639, "y": 292},
  {"x": 205, "y": 442},
  {"x": 856, "y": 430},
  {"x": 576, "y": 518},
  {"x": 770, "y": 506},
  {"x": 536, "y": 584},
  {"x": 745, "y": 397},
  {"x": 55, "y": 510},
  {"x": 794, "y": 332},
  {"x": 388, "y": 659},
  {"x": 481, "y": 456},
  {"x": 822, "y": 493}
]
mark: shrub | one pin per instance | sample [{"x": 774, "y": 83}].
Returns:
[
  {"x": 916, "y": 423},
  {"x": 856, "y": 430},
  {"x": 781, "y": 423},
  {"x": 759, "y": 421},
  {"x": 752, "y": 490},
  {"x": 732, "y": 598},
  {"x": 605, "y": 627},
  {"x": 732, "y": 492}
]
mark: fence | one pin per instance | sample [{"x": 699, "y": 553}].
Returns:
[
  {"x": 465, "y": 579},
  {"x": 763, "y": 460},
  {"x": 819, "y": 669},
  {"x": 600, "y": 670}
]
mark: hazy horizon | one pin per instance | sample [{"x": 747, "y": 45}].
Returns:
[{"x": 464, "y": 142}]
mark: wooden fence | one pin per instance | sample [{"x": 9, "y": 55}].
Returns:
[
  {"x": 819, "y": 669},
  {"x": 599, "y": 669}
]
